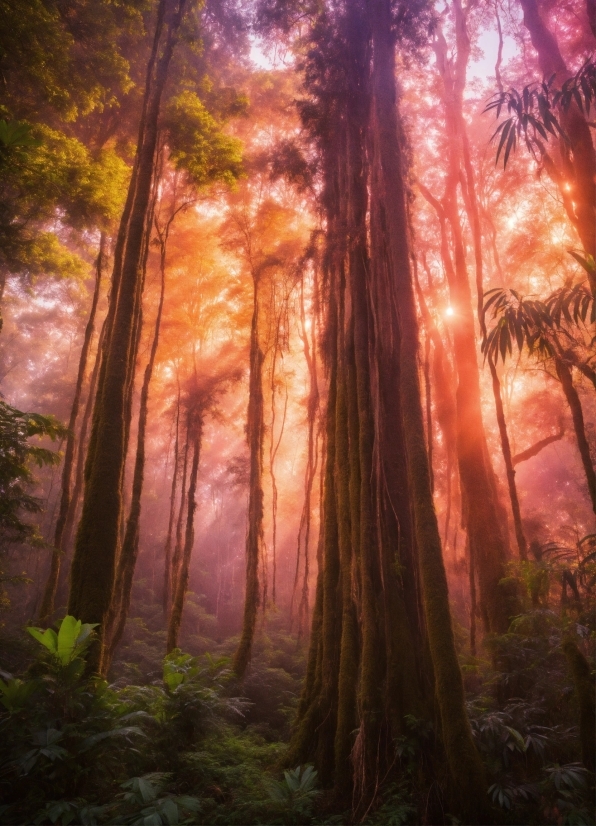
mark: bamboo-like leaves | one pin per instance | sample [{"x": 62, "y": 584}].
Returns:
[
  {"x": 532, "y": 112},
  {"x": 523, "y": 321},
  {"x": 534, "y": 324}
]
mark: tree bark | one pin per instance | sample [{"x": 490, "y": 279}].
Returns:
[
  {"x": 49, "y": 596},
  {"x": 166, "y": 594},
  {"x": 509, "y": 465},
  {"x": 486, "y": 532},
  {"x": 254, "y": 536},
  {"x": 94, "y": 563},
  {"x": 195, "y": 428},
  {"x": 564, "y": 374},
  {"x": 535, "y": 449},
  {"x": 463, "y": 760},
  {"x": 120, "y": 605}
]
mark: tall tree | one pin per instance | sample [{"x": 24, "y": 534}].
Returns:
[
  {"x": 95, "y": 557},
  {"x": 369, "y": 662},
  {"x": 573, "y": 167},
  {"x": 47, "y": 604},
  {"x": 487, "y": 532}
]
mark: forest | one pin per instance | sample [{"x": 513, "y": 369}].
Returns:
[{"x": 297, "y": 412}]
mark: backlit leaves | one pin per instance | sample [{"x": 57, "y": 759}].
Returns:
[{"x": 533, "y": 111}]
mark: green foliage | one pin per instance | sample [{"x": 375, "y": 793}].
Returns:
[
  {"x": 69, "y": 643},
  {"x": 143, "y": 801},
  {"x": 56, "y": 178},
  {"x": 14, "y": 138},
  {"x": 65, "y": 56},
  {"x": 198, "y": 145},
  {"x": 525, "y": 720},
  {"x": 67, "y": 743},
  {"x": 296, "y": 793},
  {"x": 17, "y": 455},
  {"x": 396, "y": 808}
]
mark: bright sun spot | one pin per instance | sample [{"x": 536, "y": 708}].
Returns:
[{"x": 449, "y": 311}]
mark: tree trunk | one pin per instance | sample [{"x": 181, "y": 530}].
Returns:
[
  {"x": 166, "y": 599},
  {"x": 486, "y": 532},
  {"x": 368, "y": 660},
  {"x": 509, "y": 468},
  {"x": 83, "y": 445},
  {"x": 465, "y": 766},
  {"x": 584, "y": 689},
  {"x": 254, "y": 536},
  {"x": 47, "y": 604},
  {"x": 177, "y": 555},
  {"x": 578, "y": 159},
  {"x": 564, "y": 374},
  {"x": 130, "y": 546},
  {"x": 175, "y": 618},
  {"x": 96, "y": 549},
  {"x": 312, "y": 458}
]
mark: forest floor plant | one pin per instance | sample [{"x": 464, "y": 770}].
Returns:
[{"x": 180, "y": 745}]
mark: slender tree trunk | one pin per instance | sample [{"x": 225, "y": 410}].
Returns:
[
  {"x": 428, "y": 408},
  {"x": 189, "y": 538},
  {"x": 273, "y": 449},
  {"x": 177, "y": 555},
  {"x": 167, "y": 585},
  {"x": 509, "y": 468},
  {"x": 119, "y": 608},
  {"x": 312, "y": 458},
  {"x": 564, "y": 374},
  {"x": 94, "y": 563},
  {"x": 254, "y": 536},
  {"x": 82, "y": 450},
  {"x": 47, "y": 603},
  {"x": 486, "y": 531}
]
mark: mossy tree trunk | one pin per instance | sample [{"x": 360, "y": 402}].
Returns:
[
  {"x": 77, "y": 490},
  {"x": 465, "y": 767},
  {"x": 254, "y": 535},
  {"x": 382, "y": 629},
  {"x": 49, "y": 596},
  {"x": 127, "y": 559},
  {"x": 312, "y": 456},
  {"x": 369, "y": 663},
  {"x": 95, "y": 559}
]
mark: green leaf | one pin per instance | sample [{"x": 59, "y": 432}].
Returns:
[
  {"x": 48, "y": 638},
  {"x": 67, "y": 638}
]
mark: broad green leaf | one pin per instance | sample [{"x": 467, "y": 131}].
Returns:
[
  {"x": 67, "y": 638},
  {"x": 48, "y": 638}
]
